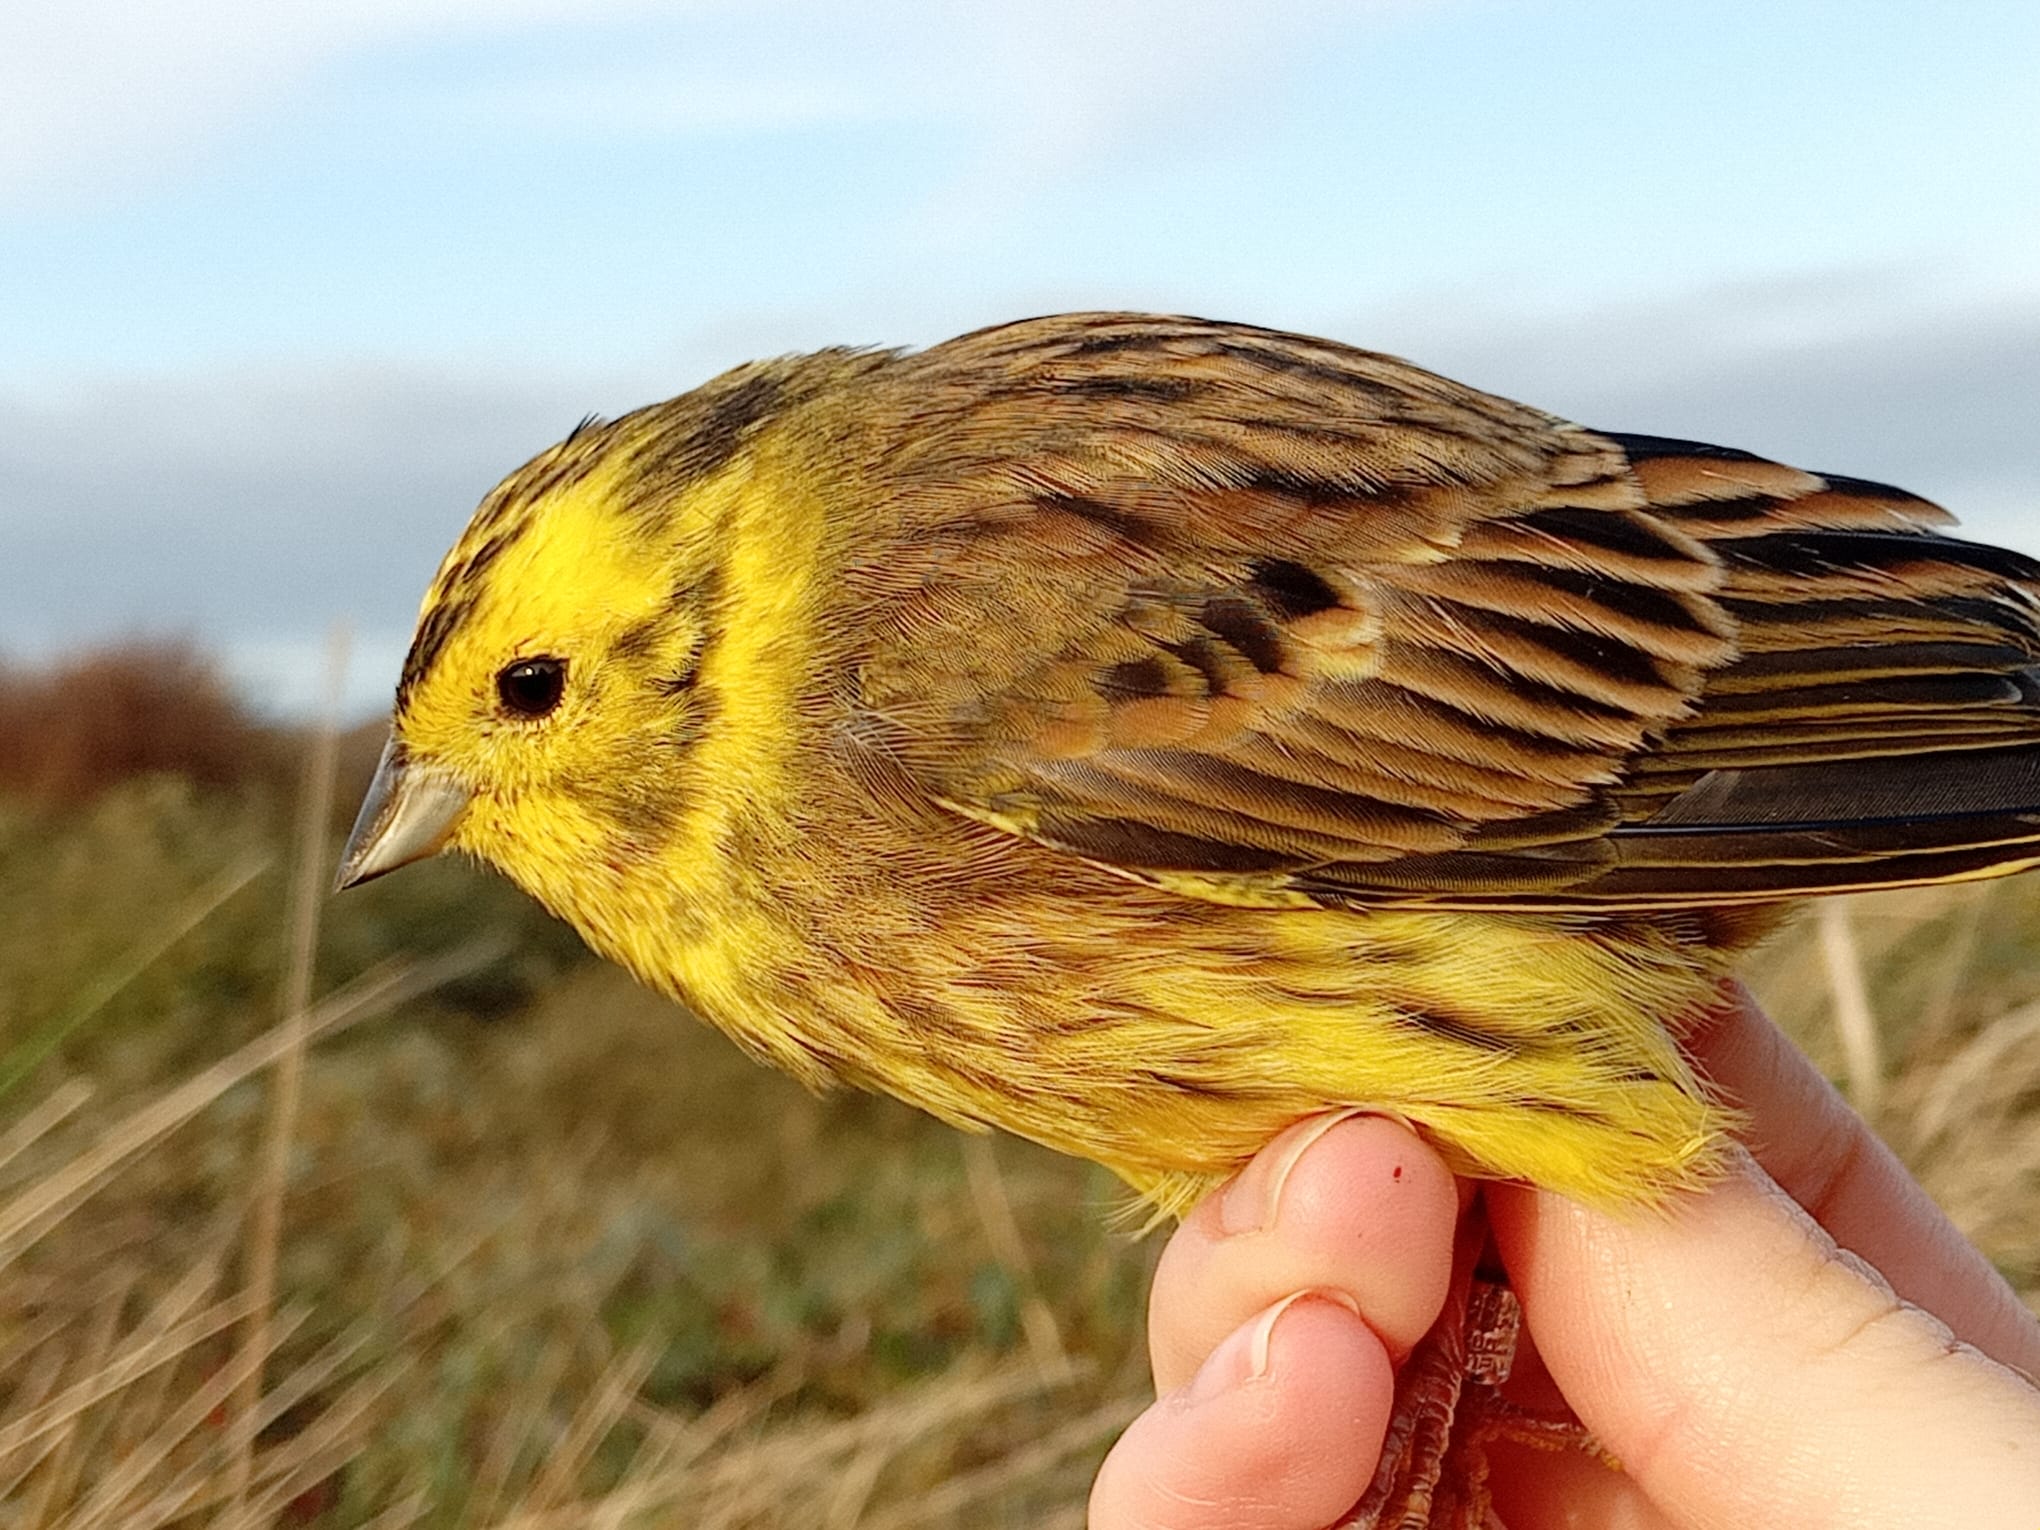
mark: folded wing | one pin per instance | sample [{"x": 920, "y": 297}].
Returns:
[{"x": 1260, "y": 616}]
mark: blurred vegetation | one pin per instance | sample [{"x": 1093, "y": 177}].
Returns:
[{"x": 555, "y": 1255}]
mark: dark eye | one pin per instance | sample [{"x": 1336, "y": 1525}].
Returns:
[{"x": 532, "y": 687}]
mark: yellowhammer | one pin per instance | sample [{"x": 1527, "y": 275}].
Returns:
[{"x": 1140, "y": 732}]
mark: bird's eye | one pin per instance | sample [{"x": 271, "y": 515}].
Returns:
[{"x": 532, "y": 687}]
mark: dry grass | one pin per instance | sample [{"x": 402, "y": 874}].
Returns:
[{"x": 550, "y": 1255}]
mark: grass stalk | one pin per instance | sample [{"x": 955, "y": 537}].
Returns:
[
  {"x": 30, "y": 1214},
  {"x": 24, "y": 1058},
  {"x": 308, "y": 894},
  {"x": 994, "y": 1208},
  {"x": 1849, "y": 996}
]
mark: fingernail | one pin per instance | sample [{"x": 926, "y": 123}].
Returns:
[
  {"x": 1253, "y": 1201},
  {"x": 1242, "y": 1358}
]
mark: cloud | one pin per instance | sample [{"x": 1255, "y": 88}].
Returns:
[
  {"x": 102, "y": 93},
  {"x": 252, "y": 509},
  {"x": 1900, "y": 375},
  {"x": 248, "y": 508},
  {"x": 640, "y": 100}
]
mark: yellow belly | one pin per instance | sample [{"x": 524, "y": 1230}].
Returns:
[{"x": 1169, "y": 1040}]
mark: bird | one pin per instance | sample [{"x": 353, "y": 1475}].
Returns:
[{"x": 1137, "y": 733}]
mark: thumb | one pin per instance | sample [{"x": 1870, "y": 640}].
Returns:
[{"x": 1744, "y": 1370}]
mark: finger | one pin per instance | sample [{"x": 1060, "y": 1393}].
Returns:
[
  {"x": 1541, "y": 1483},
  {"x": 1280, "y": 1429},
  {"x": 1538, "y": 1488},
  {"x": 1345, "y": 1203},
  {"x": 1826, "y": 1158},
  {"x": 1746, "y": 1371}
]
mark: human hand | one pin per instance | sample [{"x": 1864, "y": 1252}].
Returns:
[{"x": 1743, "y": 1368}]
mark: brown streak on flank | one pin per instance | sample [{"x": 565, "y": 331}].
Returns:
[{"x": 1435, "y": 1022}]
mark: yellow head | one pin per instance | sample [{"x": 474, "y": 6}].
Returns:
[{"x": 556, "y": 695}]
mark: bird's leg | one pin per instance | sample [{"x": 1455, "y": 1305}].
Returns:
[{"x": 1449, "y": 1405}]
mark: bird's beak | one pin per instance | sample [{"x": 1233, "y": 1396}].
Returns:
[{"x": 408, "y": 814}]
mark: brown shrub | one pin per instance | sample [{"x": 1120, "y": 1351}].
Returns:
[{"x": 141, "y": 707}]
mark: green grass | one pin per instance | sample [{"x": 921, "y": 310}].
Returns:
[{"x": 555, "y": 1254}]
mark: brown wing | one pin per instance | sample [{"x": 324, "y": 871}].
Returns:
[{"x": 1199, "y": 600}]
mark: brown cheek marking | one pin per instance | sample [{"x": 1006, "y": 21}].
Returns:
[
  {"x": 641, "y": 818},
  {"x": 682, "y": 680},
  {"x": 699, "y": 716},
  {"x": 640, "y": 639}
]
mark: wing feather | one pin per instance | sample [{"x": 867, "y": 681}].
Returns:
[{"x": 1300, "y": 610}]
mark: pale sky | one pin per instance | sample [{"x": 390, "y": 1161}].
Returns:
[{"x": 284, "y": 288}]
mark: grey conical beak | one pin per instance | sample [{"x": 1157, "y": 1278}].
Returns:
[{"x": 409, "y": 812}]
